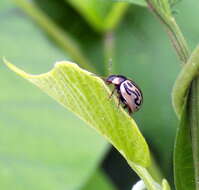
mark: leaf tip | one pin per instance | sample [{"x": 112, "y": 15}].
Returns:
[
  {"x": 6, "y": 62},
  {"x": 14, "y": 68}
]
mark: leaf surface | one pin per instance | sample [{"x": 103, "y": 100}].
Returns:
[
  {"x": 87, "y": 96},
  {"x": 183, "y": 156}
]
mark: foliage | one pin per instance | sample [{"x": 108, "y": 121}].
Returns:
[
  {"x": 68, "y": 84},
  {"x": 185, "y": 95},
  {"x": 78, "y": 44}
]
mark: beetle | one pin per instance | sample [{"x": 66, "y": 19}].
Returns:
[{"x": 128, "y": 92}]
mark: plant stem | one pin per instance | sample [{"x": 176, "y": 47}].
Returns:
[
  {"x": 173, "y": 30},
  {"x": 185, "y": 78},
  {"x": 178, "y": 40},
  {"x": 183, "y": 81},
  {"x": 63, "y": 39},
  {"x": 145, "y": 176}
]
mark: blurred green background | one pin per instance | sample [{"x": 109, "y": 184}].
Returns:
[{"x": 42, "y": 145}]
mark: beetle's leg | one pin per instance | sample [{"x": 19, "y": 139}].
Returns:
[
  {"x": 125, "y": 106},
  {"x": 119, "y": 101},
  {"x": 112, "y": 93},
  {"x": 129, "y": 110}
]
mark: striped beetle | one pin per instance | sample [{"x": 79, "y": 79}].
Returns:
[{"x": 128, "y": 92}]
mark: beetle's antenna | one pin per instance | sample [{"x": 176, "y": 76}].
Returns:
[
  {"x": 110, "y": 66},
  {"x": 109, "y": 46}
]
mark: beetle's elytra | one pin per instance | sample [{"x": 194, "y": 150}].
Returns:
[{"x": 128, "y": 92}]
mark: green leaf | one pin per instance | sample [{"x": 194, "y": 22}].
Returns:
[
  {"x": 103, "y": 15},
  {"x": 183, "y": 159},
  {"x": 87, "y": 96},
  {"x": 38, "y": 153}
]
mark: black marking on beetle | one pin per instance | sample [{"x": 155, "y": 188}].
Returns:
[
  {"x": 129, "y": 91},
  {"x": 129, "y": 84},
  {"x": 138, "y": 93},
  {"x": 136, "y": 101}
]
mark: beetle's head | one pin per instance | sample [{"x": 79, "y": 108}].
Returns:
[{"x": 115, "y": 79}]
